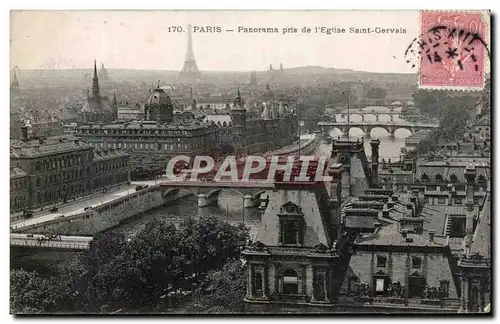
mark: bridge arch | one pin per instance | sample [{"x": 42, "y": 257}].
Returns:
[
  {"x": 407, "y": 130},
  {"x": 379, "y": 127},
  {"x": 169, "y": 192}
]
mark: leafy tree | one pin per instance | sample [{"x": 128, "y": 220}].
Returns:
[
  {"x": 222, "y": 292},
  {"x": 376, "y": 93},
  {"x": 31, "y": 293},
  {"x": 227, "y": 287},
  {"x": 140, "y": 273},
  {"x": 209, "y": 242}
]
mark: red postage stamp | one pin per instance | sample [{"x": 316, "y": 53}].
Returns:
[{"x": 452, "y": 50}]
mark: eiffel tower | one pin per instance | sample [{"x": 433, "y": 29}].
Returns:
[{"x": 189, "y": 72}]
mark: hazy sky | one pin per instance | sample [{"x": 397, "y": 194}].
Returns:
[{"x": 141, "y": 40}]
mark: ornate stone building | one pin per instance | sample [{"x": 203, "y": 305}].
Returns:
[
  {"x": 291, "y": 261},
  {"x": 62, "y": 168},
  {"x": 162, "y": 133},
  {"x": 475, "y": 265}
]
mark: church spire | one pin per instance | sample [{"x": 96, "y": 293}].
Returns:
[
  {"x": 238, "y": 102},
  {"x": 95, "y": 82}
]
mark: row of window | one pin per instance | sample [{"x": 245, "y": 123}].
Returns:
[
  {"x": 19, "y": 184},
  {"x": 416, "y": 287},
  {"x": 149, "y": 146},
  {"x": 416, "y": 262},
  {"x": 109, "y": 165},
  {"x": 74, "y": 174},
  {"x": 61, "y": 176},
  {"x": 453, "y": 178},
  {"x": 164, "y": 132},
  {"x": 59, "y": 162},
  {"x": 17, "y": 203},
  {"x": 75, "y": 189}
]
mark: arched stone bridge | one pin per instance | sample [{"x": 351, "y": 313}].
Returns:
[
  {"x": 362, "y": 114},
  {"x": 367, "y": 127},
  {"x": 208, "y": 192}
]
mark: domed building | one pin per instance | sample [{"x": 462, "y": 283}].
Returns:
[
  {"x": 159, "y": 107},
  {"x": 97, "y": 108}
]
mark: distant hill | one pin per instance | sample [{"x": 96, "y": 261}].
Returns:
[{"x": 317, "y": 70}]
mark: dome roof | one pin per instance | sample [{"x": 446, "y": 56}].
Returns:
[{"x": 159, "y": 97}]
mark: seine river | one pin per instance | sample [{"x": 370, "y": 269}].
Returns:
[{"x": 230, "y": 203}]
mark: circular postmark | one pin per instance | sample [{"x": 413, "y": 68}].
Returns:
[{"x": 451, "y": 51}]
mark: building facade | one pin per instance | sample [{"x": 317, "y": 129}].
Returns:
[
  {"x": 163, "y": 134},
  {"x": 62, "y": 168},
  {"x": 19, "y": 189}
]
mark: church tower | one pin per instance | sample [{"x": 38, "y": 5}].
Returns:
[
  {"x": 95, "y": 83},
  {"x": 238, "y": 111}
]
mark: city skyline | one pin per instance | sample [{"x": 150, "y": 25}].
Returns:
[{"x": 140, "y": 40}]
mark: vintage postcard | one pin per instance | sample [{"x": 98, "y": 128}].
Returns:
[{"x": 250, "y": 162}]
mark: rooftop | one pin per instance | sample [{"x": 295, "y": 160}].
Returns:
[
  {"x": 152, "y": 125},
  {"x": 315, "y": 232},
  {"x": 391, "y": 236},
  {"x": 482, "y": 236},
  {"x": 101, "y": 155},
  {"x": 47, "y": 146}
]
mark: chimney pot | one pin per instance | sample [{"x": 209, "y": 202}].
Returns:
[{"x": 431, "y": 235}]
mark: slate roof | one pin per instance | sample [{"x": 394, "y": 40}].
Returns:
[
  {"x": 390, "y": 236},
  {"x": 316, "y": 229},
  {"x": 482, "y": 236},
  {"x": 101, "y": 155},
  {"x": 97, "y": 105},
  {"x": 447, "y": 168},
  {"x": 218, "y": 118},
  {"x": 143, "y": 125},
  {"x": 51, "y": 145}
]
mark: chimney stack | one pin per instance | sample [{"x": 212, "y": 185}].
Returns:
[
  {"x": 385, "y": 212},
  {"x": 375, "y": 143},
  {"x": 335, "y": 171},
  {"x": 24, "y": 133},
  {"x": 404, "y": 233},
  {"x": 394, "y": 198},
  {"x": 410, "y": 209},
  {"x": 470, "y": 176},
  {"x": 431, "y": 235}
]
